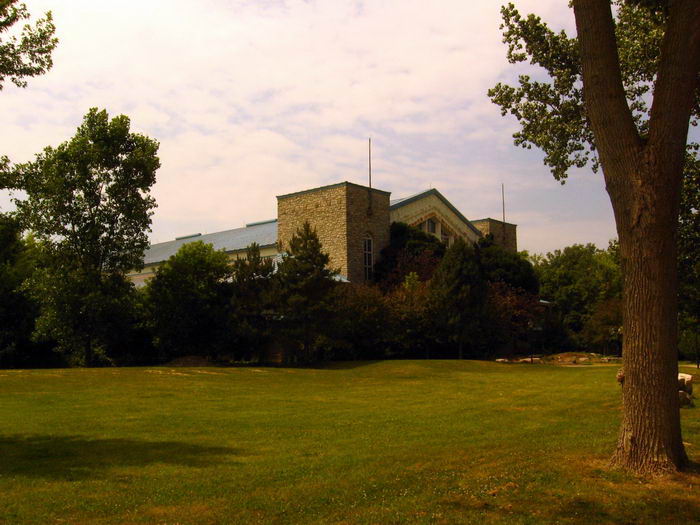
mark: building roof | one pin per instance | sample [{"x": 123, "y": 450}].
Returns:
[
  {"x": 489, "y": 219},
  {"x": 397, "y": 203},
  {"x": 329, "y": 186},
  {"x": 264, "y": 233}
]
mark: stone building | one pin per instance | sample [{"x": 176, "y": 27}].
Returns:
[{"x": 352, "y": 223}]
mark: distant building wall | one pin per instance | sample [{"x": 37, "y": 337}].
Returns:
[
  {"x": 504, "y": 234},
  {"x": 324, "y": 209},
  {"x": 365, "y": 221},
  {"x": 343, "y": 219},
  {"x": 139, "y": 278},
  {"x": 432, "y": 207}
]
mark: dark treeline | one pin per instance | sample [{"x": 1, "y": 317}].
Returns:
[{"x": 427, "y": 301}]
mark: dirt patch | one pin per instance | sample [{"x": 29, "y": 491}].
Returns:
[{"x": 192, "y": 360}]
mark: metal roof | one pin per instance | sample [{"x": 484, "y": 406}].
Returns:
[
  {"x": 264, "y": 233},
  {"x": 397, "y": 203}
]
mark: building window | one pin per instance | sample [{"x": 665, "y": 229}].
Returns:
[
  {"x": 431, "y": 226},
  {"x": 368, "y": 251}
]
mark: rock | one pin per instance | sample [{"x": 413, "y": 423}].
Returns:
[
  {"x": 685, "y": 383},
  {"x": 501, "y": 360},
  {"x": 684, "y": 399},
  {"x": 582, "y": 359}
]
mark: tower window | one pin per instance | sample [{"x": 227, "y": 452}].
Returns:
[
  {"x": 368, "y": 251},
  {"x": 431, "y": 226}
]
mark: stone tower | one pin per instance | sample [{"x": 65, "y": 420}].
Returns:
[{"x": 352, "y": 223}]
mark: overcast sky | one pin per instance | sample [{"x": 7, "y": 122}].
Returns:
[{"x": 253, "y": 99}]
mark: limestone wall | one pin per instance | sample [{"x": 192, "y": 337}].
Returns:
[
  {"x": 364, "y": 221},
  {"x": 325, "y": 210},
  {"x": 342, "y": 217},
  {"x": 504, "y": 234}
]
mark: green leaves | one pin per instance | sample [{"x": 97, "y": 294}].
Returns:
[
  {"x": 549, "y": 106},
  {"x": 551, "y": 113},
  {"x": 88, "y": 198},
  {"x": 29, "y": 53}
]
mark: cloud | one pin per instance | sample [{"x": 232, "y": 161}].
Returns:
[{"x": 254, "y": 99}]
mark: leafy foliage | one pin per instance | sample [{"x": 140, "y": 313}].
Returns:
[
  {"x": 87, "y": 199},
  {"x": 410, "y": 327},
  {"x": 361, "y": 323},
  {"x": 551, "y": 112},
  {"x": 18, "y": 312},
  {"x": 90, "y": 317},
  {"x": 87, "y": 203},
  {"x": 501, "y": 265},
  {"x": 253, "y": 294},
  {"x": 578, "y": 279},
  {"x": 410, "y": 250},
  {"x": 29, "y": 53},
  {"x": 189, "y": 299},
  {"x": 513, "y": 317}
]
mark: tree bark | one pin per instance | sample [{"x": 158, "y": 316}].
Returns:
[{"x": 643, "y": 179}]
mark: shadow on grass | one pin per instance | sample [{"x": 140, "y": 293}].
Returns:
[{"x": 77, "y": 457}]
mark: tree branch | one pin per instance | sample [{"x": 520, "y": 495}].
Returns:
[
  {"x": 606, "y": 105},
  {"x": 677, "y": 79}
]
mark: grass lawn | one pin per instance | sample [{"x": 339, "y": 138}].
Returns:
[{"x": 384, "y": 442}]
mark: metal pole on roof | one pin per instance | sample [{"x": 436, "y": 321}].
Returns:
[
  {"x": 370, "y": 162},
  {"x": 503, "y": 202},
  {"x": 369, "y": 189}
]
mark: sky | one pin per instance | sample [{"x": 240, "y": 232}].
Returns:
[{"x": 253, "y": 99}]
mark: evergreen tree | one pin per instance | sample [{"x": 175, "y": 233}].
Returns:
[
  {"x": 252, "y": 301},
  {"x": 458, "y": 290},
  {"x": 305, "y": 283}
]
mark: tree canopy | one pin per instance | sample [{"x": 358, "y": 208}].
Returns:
[
  {"x": 87, "y": 202},
  {"x": 552, "y": 112},
  {"x": 29, "y": 53},
  {"x": 88, "y": 199}
]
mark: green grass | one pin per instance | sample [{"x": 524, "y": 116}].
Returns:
[{"x": 385, "y": 442}]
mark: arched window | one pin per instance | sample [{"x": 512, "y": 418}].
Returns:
[{"x": 368, "y": 252}]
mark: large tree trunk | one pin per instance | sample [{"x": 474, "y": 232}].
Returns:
[
  {"x": 643, "y": 178},
  {"x": 650, "y": 435}
]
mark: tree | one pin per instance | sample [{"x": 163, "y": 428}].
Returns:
[
  {"x": 30, "y": 54},
  {"x": 360, "y": 325},
  {"x": 305, "y": 283},
  {"x": 577, "y": 279},
  {"x": 18, "y": 312},
  {"x": 88, "y": 203},
  {"x": 501, "y": 265},
  {"x": 596, "y": 109},
  {"x": 252, "y": 301},
  {"x": 410, "y": 322},
  {"x": 512, "y": 316},
  {"x": 689, "y": 241},
  {"x": 458, "y": 295},
  {"x": 189, "y": 301},
  {"x": 410, "y": 250}
]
